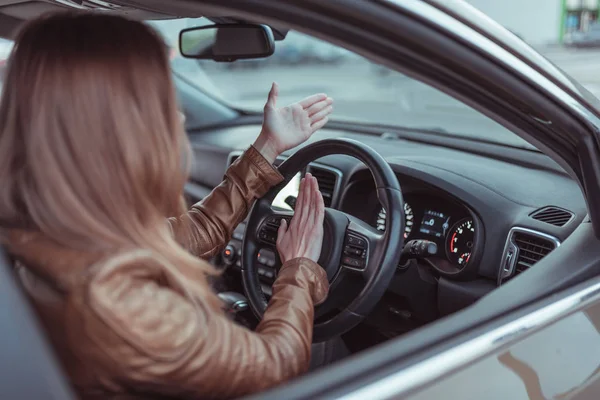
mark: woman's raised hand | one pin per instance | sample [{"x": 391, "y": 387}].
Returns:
[
  {"x": 304, "y": 236},
  {"x": 286, "y": 127}
]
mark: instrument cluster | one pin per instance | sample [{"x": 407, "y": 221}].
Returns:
[{"x": 441, "y": 220}]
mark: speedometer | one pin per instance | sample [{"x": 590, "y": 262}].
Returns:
[
  {"x": 409, "y": 219},
  {"x": 460, "y": 242}
]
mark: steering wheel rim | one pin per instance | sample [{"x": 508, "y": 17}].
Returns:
[{"x": 382, "y": 252}]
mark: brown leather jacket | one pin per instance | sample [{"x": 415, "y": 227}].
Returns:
[{"x": 123, "y": 327}]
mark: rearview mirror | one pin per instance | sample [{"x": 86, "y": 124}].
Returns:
[{"x": 227, "y": 42}]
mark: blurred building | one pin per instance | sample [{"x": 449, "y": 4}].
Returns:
[
  {"x": 578, "y": 16},
  {"x": 542, "y": 22}
]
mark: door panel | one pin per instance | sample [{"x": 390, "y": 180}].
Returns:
[
  {"x": 207, "y": 170},
  {"x": 560, "y": 361},
  {"x": 209, "y": 164}
]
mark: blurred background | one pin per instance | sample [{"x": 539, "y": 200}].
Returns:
[{"x": 565, "y": 31}]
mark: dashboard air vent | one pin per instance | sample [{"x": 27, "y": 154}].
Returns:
[
  {"x": 524, "y": 248},
  {"x": 552, "y": 215},
  {"x": 327, "y": 183},
  {"x": 531, "y": 249}
]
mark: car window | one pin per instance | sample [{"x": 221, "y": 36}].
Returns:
[{"x": 363, "y": 91}]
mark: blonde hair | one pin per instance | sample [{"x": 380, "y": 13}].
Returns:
[{"x": 93, "y": 154}]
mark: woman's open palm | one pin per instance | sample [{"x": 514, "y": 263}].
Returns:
[
  {"x": 304, "y": 236},
  {"x": 286, "y": 127}
]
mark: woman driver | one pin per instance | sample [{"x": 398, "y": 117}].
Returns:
[{"x": 91, "y": 207}]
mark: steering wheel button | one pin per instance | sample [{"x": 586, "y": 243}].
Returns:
[
  {"x": 358, "y": 242},
  {"x": 351, "y": 251},
  {"x": 352, "y": 262},
  {"x": 362, "y": 243}
]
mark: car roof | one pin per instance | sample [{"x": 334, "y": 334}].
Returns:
[{"x": 14, "y": 12}]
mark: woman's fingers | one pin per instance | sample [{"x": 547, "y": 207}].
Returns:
[
  {"x": 318, "y": 125},
  {"x": 310, "y": 100},
  {"x": 306, "y": 207},
  {"x": 321, "y": 114},
  {"x": 318, "y": 106},
  {"x": 319, "y": 205},
  {"x": 314, "y": 227},
  {"x": 310, "y": 217},
  {"x": 300, "y": 205},
  {"x": 281, "y": 231},
  {"x": 283, "y": 242},
  {"x": 273, "y": 93},
  {"x": 300, "y": 200}
]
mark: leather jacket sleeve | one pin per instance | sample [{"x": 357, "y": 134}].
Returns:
[
  {"x": 209, "y": 224},
  {"x": 163, "y": 342}
]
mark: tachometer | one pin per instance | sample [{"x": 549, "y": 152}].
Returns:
[
  {"x": 408, "y": 216},
  {"x": 460, "y": 242}
]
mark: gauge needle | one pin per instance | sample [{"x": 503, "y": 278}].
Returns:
[{"x": 446, "y": 225}]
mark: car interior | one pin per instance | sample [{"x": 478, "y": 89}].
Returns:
[
  {"x": 478, "y": 211},
  {"x": 486, "y": 211}
]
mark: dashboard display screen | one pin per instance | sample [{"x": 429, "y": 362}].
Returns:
[
  {"x": 291, "y": 189},
  {"x": 434, "y": 223}
]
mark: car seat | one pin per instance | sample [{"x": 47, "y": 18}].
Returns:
[{"x": 28, "y": 367}]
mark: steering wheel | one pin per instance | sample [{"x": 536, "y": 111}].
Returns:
[{"x": 350, "y": 245}]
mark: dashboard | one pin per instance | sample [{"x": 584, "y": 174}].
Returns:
[{"x": 479, "y": 203}]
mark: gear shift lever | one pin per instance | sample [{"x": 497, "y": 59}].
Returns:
[{"x": 233, "y": 302}]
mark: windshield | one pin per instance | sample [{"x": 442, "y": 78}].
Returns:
[{"x": 363, "y": 91}]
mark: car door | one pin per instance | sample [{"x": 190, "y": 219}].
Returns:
[{"x": 550, "y": 353}]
